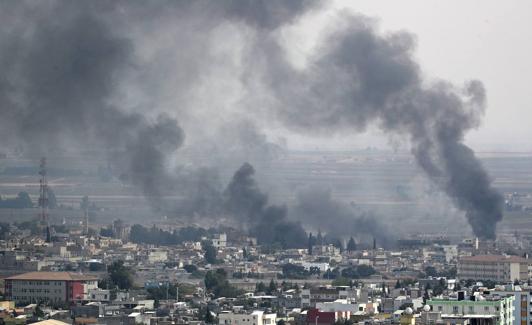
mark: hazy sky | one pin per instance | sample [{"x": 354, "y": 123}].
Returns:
[{"x": 461, "y": 40}]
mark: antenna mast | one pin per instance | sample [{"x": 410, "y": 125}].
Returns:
[{"x": 43, "y": 200}]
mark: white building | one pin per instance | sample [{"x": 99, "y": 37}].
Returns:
[
  {"x": 345, "y": 308},
  {"x": 257, "y": 317},
  {"x": 323, "y": 267}
]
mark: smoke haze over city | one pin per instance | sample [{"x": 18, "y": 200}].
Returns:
[{"x": 189, "y": 102}]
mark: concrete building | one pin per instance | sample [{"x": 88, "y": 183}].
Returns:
[
  {"x": 99, "y": 295},
  {"x": 344, "y": 308},
  {"x": 257, "y": 317},
  {"x": 309, "y": 297},
  {"x": 522, "y": 303},
  {"x": 497, "y": 268},
  {"x": 481, "y": 310},
  {"x": 53, "y": 287},
  {"x": 157, "y": 256},
  {"x": 323, "y": 267},
  {"x": 21, "y": 262},
  {"x": 219, "y": 241}
]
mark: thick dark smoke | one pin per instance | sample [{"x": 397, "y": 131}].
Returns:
[
  {"x": 316, "y": 208},
  {"x": 65, "y": 63},
  {"x": 268, "y": 223},
  {"x": 358, "y": 77},
  {"x": 60, "y": 67}
]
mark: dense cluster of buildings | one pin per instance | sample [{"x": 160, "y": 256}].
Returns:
[{"x": 422, "y": 281}]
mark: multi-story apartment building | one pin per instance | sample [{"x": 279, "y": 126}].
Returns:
[
  {"x": 522, "y": 303},
  {"x": 497, "y": 268},
  {"x": 482, "y": 310},
  {"x": 53, "y": 287}
]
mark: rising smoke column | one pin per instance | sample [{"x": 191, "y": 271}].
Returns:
[
  {"x": 358, "y": 77},
  {"x": 61, "y": 64},
  {"x": 244, "y": 200},
  {"x": 316, "y": 207},
  {"x": 62, "y": 61}
]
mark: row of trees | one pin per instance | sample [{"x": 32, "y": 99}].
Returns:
[
  {"x": 143, "y": 235},
  {"x": 353, "y": 272},
  {"x": 328, "y": 240},
  {"x": 23, "y": 201}
]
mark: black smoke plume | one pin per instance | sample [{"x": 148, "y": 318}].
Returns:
[
  {"x": 268, "y": 223},
  {"x": 61, "y": 64},
  {"x": 316, "y": 208},
  {"x": 358, "y": 77}
]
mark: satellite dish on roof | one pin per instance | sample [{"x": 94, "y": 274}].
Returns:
[
  {"x": 409, "y": 311},
  {"x": 426, "y": 308}
]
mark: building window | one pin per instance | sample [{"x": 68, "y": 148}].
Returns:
[
  {"x": 455, "y": 309},
  {"x": 440, "y": 308},
  {"x": 486, "y": 308}
]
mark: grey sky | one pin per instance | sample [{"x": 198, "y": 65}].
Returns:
[
  {"x": 456, "y": 41},
  {"x": 459, "y": 40}
]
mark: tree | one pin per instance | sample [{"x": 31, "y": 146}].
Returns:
[
  {"x": 426, "y": 295},
  {"x": 106, "y": 232},
  {"x": 457, "y": 286},
  {"x": 120, "y": 275},
  {"x": 208, "y": 317},
  {"x": 341, "y": 281},
  {"x": 314, "y": 270},
  {"x": 272, "y": 287},
  {"x": 216, "y": 283},
  {"x": 38, "y": 312},
  {"x": 431, "y": 271},
  {"x": 84, "y": 204},
  {"x": 310, "y": 243},
  {"x": 331, "y": 274},
  {"x": 52, "y": 201},
  {"x": 23, "y": 200},
  {"x": 398, "y": 284},
  {"x": 336, "y": 242},
  {"x": 260, "y": 287},
  {"x": 351, "y": 245},
  {"x": 189, "y": 268},
  {"x": 292, "y": 271},
  {"x": 319, "y": 238},
  {"x": 365, "y": 270},
  {"x": 209, "y": 253},
  {"x": 360, "y": 271}
]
